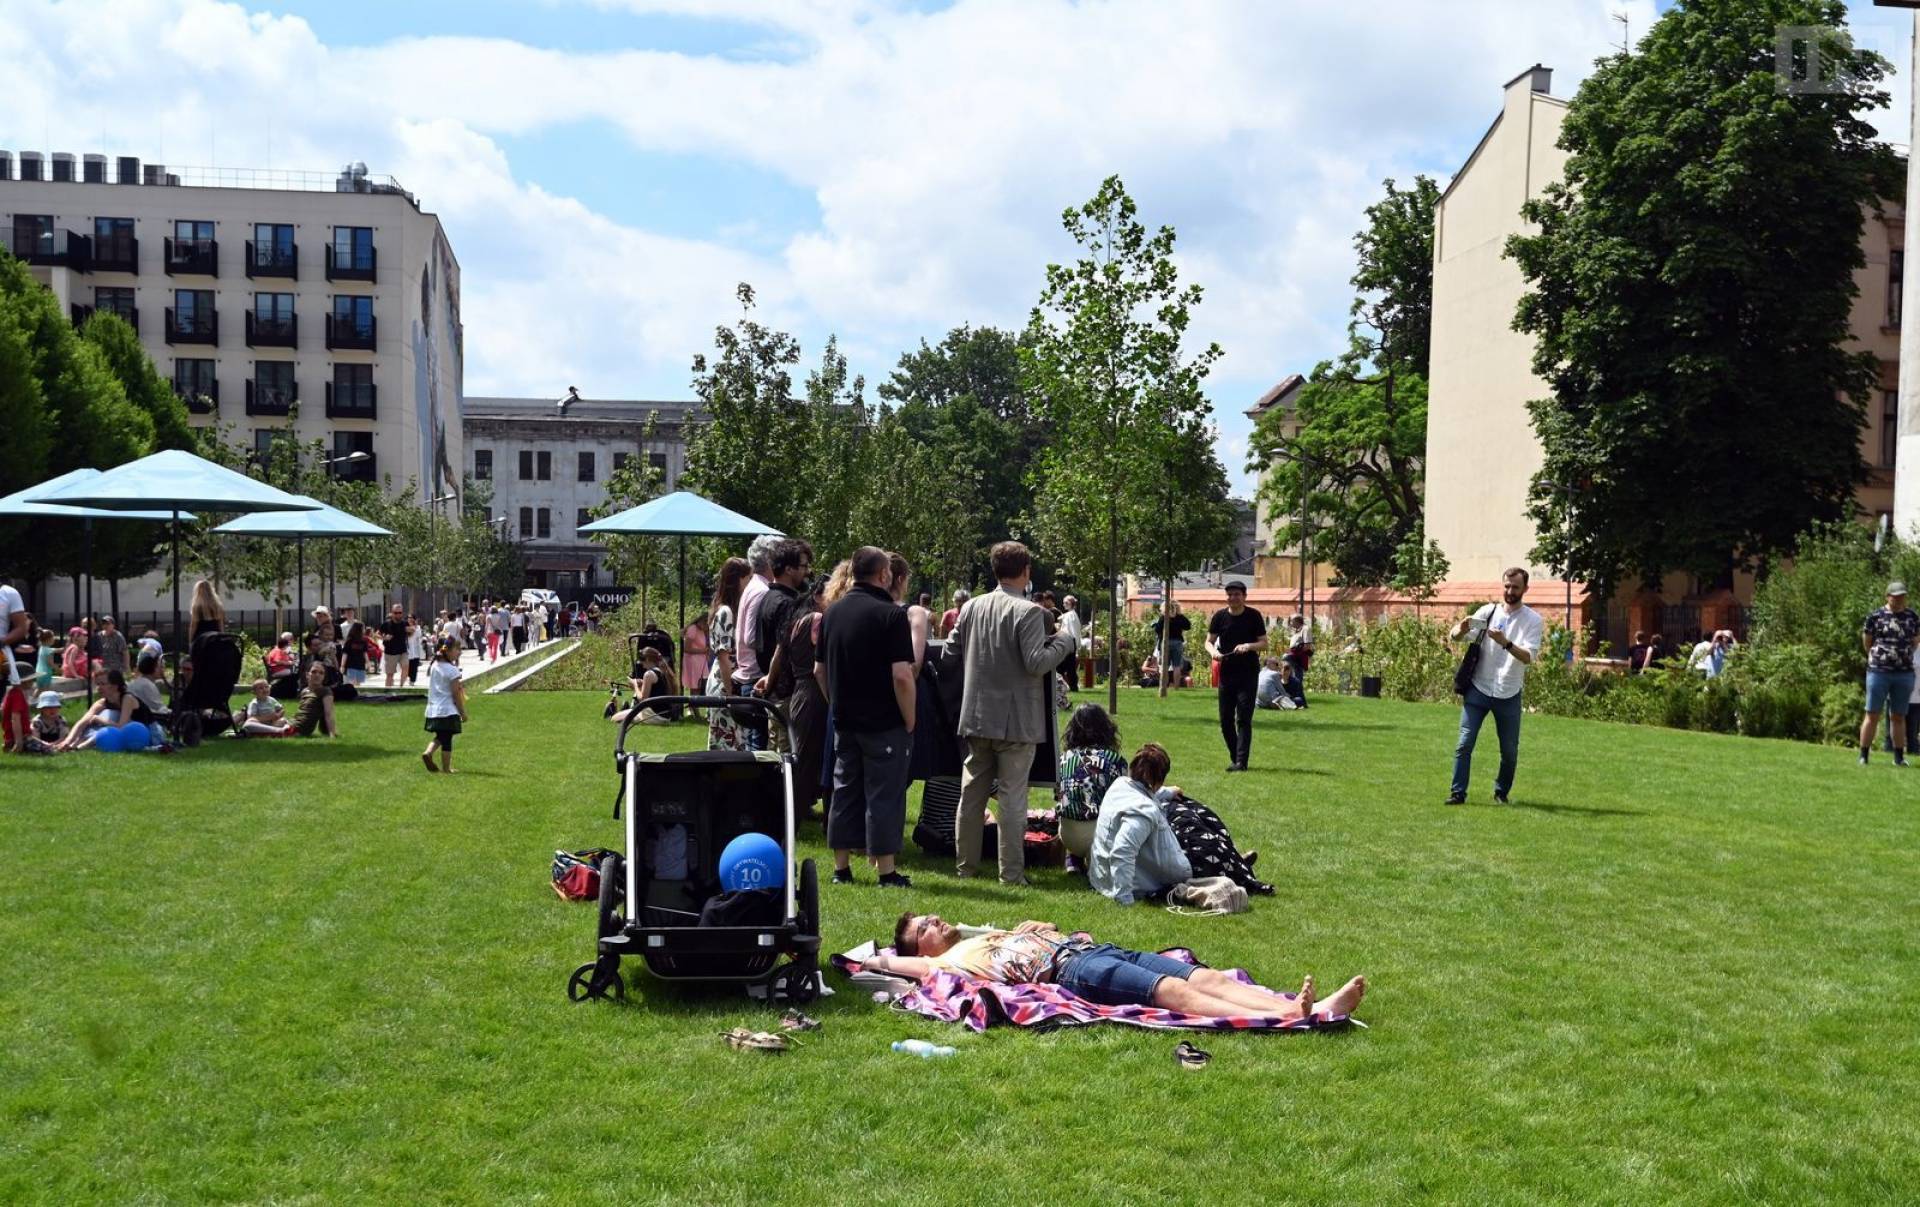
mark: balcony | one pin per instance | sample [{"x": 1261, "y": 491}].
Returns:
[
  {"x": 199, "y": 402},
  {"x": 352, "y": 402},
  {"x": 192, "y": 257},
  {"x": 345, "y": 264},
  {"x": 345, "y": 332},
  {"x": 49, "y": 248},
  {"x": 118, "y": 254},
  {"x": 263, "y": 332},
  {"x": 270, "y": 402},
  {"x": 267, "y": 260},
  {"x": 82, "y": 313},
  {"x": 195, "y": 328}
]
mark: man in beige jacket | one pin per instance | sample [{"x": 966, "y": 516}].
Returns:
[{"x": 1008, "y": 646}]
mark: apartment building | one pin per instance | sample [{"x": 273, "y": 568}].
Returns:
[
  {"x": 326, "y": 307},
  {"x": 546, "y": 462},
  {"x": 1481, "y": 448}
]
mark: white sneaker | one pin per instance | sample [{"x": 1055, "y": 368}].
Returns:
[{"x": 1286, "y": 702}]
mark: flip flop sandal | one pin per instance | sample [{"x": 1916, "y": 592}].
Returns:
[
  {"x": 793, "y": 1020},
  {"x": 740, "y": 1039},
  {"x": 1191, "y": 1057}
]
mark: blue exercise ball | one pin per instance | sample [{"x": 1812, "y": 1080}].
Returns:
[
  {"x": 135, "y": 735},
  {"x": 753, "y": 861},
  {"x": 108, "y": 741}
]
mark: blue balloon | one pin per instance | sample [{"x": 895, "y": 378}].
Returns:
[
  {"x": 753, "y": 861},
  {"x": 135, "y": 735},
  {"x": 108, "y": 740}
]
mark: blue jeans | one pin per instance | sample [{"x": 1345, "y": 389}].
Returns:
[
  {"x": 1474, "y": 707},
  {"x": 1114, "y": 976},
  {"x": 1889, "y": 690}
]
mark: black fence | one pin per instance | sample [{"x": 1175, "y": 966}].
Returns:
[{"x": 255, "y": 623}]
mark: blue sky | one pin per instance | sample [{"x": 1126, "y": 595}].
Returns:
[{"x": 882, "y": 170}]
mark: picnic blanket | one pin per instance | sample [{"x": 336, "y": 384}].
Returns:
[{"x": 953, "y": 997}]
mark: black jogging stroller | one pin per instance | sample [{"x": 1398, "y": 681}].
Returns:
[{"x": 681, "y": 811}]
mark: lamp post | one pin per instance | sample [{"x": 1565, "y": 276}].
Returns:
[
  {"x": 352, "y": 458},
  {"x": 433, "y": 548}
]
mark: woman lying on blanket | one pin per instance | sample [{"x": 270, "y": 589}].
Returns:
[{"x": 1100, "y": 972}]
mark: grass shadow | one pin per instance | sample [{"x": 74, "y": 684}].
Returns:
[{"x": 1548, "y": 807}]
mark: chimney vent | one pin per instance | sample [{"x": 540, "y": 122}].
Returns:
[
  {"x": 154, "y": 173},
  {"x": 93, "y": 169},
  {"x": 63, "y": 167},
  {"x": 6, "y": 165},
  {"x": 127, "y": 169},
  {"x": 32, "y": 166}
]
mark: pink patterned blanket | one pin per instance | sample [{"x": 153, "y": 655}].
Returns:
[{"x": 952, "y": 997}]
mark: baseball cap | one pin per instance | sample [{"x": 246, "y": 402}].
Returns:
[
  {"x": 1237, "y": 586},
  {"x": 1896, "y": 587},
  {"x": 48, "y": 699}
]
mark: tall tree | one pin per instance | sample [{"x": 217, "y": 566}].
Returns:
[
  {"x": 838, "y": 429},
  {"x": 1690, "y": 289},
  {"x": 749, "y": 453},
  {"x": 1103, "y": 366},
  {"x": 1343, "y": 471}
]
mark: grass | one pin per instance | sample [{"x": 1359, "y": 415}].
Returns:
[{"x": 1679, "y": 968}]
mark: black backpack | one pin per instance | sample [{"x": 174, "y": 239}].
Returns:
[{"x": 1470, "y": 660}]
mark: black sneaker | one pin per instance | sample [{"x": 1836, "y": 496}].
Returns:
[
  {"x": 895, "y": 880},
  {"x": 1232, "y": 767},
  {"x": 1500, "y": 798},
  {"x": 1457, "y": 798},
  {"x": 1863, "y": 758},
  {"x": 843, "y": 876}
]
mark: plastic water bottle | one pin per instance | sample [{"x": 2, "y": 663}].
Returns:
[{"x": 921, "y": 1048}]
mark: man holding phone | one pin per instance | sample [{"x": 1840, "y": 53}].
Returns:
[
  {"x": 1512, "y": 632},
  {"x": 1236, "y": 636}
]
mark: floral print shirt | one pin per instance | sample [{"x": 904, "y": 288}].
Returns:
[{"x": 1085, "y": 776}]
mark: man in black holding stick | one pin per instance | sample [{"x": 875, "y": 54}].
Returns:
[{"x": 1236, "y": 636}]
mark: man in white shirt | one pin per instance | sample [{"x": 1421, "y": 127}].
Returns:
[
  {"x": 1509, "y": 634},
  {"x": 1070, "y": 625},
  {"x": 746, "y": 635}
]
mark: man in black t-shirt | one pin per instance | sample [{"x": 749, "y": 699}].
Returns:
[
  {"x": 865, "y": 669},
  {"x": 393, "y": 644},
  {"x": 1236, "y": 636}
]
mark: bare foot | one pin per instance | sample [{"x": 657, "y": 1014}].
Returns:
[
  {"x": 428, "y": 760},
  {"x": 1344, "y": 1001},
  {"x": 1305, "y": 998}
]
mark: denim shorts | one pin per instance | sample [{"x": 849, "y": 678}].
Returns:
[
  {"x": 1889, "y": 689},
  {"x": 1114, "y": 976}
]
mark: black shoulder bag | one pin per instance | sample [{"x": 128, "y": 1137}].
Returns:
[{"x": 1470, "y": 660}]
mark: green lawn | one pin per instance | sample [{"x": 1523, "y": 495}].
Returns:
[{"x": 1681, "y": 967}]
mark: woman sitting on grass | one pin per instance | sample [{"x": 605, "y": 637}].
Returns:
[
  {"x": 1150, "y": 836},
  {"x": 315, "y": 712},
  {"x": 1089, "y": 764},
  {"x": 656, "y": 679},
  {"x": 116, "y": 708}
]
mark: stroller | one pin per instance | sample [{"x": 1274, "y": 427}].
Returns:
[
  {"x": 681, "y": 812},
  {"x": 204, "y": 703}
]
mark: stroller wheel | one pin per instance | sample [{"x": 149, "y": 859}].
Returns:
[
  {"x": 588, "y": 982},
  {"x": 613, "y": 886},
  {"x": 796, "y": 982}
]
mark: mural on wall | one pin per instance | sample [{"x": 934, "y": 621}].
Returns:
[{"x": 437, "y": 364}]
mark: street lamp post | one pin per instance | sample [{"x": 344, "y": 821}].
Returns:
[
  {"x": 433, "y": 549},
  {"x": 352, "y": 458}
]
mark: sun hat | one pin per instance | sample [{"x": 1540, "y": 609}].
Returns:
[
  {"x": 48, "y": 699},
  {"x": 1896, "y": 587}
]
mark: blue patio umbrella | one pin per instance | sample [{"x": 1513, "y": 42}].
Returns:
[
  {"x": 16, "y": 504},
  {"x": 682, "y": 514},
  {"x": 171, "y": 481},
  {"x": 323, "y": 523}
]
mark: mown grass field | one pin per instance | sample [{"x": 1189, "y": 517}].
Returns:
[{"x": 1680, "y": 968}]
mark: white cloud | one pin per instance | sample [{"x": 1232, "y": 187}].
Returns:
[{"x": 939, "y": 148}]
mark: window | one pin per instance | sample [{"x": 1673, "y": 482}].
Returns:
[
  {"x": 193, "y": 232},
  {"x": 113, "y": 244},
  {"x": 32, "y": 235},
  {"x": 544, "y": 460},
  {"x": 273, "y": 387},
  {"x": 122, "y": 228},
  {"x": 586, "y": 467},
  {"x": 526, "y": 465},
  {"x": 353, "y": 390},
  {"x": 263, "y": 438},
  {"x": 526, "y": 523},
  {"x": 347, "y": 444},
  {"x": 193, "y": 381},
  {"x": 193, "y": 311},
  {"x": 546, "y": 523},
  {"x": 273, "y": 309},
  {"x": 620, "y": 461},
  {"x": 353, "y": 247},
  {"x": 1896, "y": 287},
  {"x": 354, "y": 314},
  {"x": 115, "y": 299},
  {"x": 483, "y": 465},
  {"x": 272, "y": 245},
  {"x": 1889, "y": 427},
  {"x": 657, "y": 461},
  {"x": 582, "y": 518}
]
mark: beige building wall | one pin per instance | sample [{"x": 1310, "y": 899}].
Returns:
[{"x": 1481, "y": 450}]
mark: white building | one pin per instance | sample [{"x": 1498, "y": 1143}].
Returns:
[
  {"x": 325, "y": 307},
  {"x": 547, "y": 462}
]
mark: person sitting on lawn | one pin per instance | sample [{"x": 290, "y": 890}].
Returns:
[
  {"x": 1088, "y": 767},
  {"x": 1135, "y": 853},
  {"x": 73, "y": 659},
  {"x": 924, "y": 944},
  {"x": 117, "y": 707},
  {"x": 1272, "y": 687},
  {"x": 315, "y": 712},
  {"x": 655, "y": 679},
  {"x": 97, "y": 713},
  {"x": 265, "y": 715},
  {"x": 1150, "y": 670},
  {"x": 49, "y": 727}
]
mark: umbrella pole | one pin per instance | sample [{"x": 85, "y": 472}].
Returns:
[
  {"x": 333, "y": 579},
  {"x": 683, "y": 600},
  {"x": 87, "y": 636},
  {"x": 176, "y": 595},
  {"x": 300, "y": 571}
]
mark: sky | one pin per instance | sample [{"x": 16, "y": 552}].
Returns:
[{"x": 880, "y": 170}]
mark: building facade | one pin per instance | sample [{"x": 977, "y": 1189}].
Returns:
[
  {"x": 322, "y": 307},
  {"x": 545, "y": 464},
  {"x": 1481, "y": 448}
]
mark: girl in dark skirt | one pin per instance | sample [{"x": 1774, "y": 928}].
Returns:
[{"x": 446, "y": 704}]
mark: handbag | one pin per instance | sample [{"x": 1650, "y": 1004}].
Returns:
[
  {"x": 1208, "y": 895},
  {"x": 1470, "y": 660}
]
